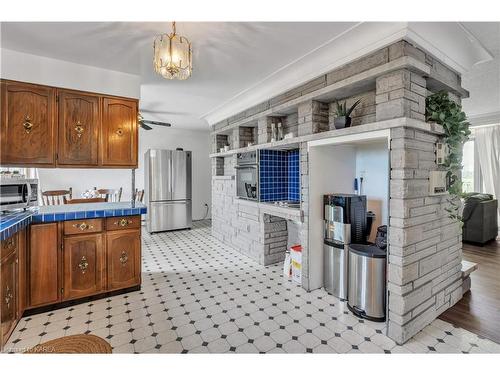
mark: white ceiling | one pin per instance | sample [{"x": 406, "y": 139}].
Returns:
[
  {"x": 483, "y": 80},
  {"x": 228, "y": 59}
]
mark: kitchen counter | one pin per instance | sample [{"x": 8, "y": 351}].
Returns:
[
  {"x": 285, "y": 212},
  {"x": 13, "y": 222}
]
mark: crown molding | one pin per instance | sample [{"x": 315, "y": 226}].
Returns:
[
  {"x": 448, "y": 41},
  {"x": 484, "y": 119}
]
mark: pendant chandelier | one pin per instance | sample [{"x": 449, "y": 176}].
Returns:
[{"x": 173, "y": 56}]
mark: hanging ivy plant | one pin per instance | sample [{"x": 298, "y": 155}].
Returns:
[{"x": 444, "y": 111}]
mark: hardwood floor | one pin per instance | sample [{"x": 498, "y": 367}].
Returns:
[{"x": 479, "y": 310}]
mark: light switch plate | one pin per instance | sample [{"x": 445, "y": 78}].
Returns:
[{"x": 438, "y": 184}]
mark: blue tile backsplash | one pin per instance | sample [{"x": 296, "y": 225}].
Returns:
[
  {"x": 279, "y": 175},
  {"x": 293, "y": 176}
]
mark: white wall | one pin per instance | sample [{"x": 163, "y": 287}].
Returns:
[
  {"x": 333, "y": 166},
  {"x": 196, "y": 141},
  {"x": 372, "y": 161},
  {"x": 25, "y": 67},
  {"x": 332, "y": 169}
]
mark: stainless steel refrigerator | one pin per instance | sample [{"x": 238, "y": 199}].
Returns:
[{"x": 167, "y": 189}]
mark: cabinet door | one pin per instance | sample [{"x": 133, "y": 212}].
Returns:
[
  {"x": 43, "y": 265},
  {"x": 119, "y": 133},
  {"x": 83, "y": 265},
  {"x": 124, "y": 258},
  {"x": 78, "y": 129},
  {"x": 27, "y": 125},
  {"x": 8, "y": 295}
]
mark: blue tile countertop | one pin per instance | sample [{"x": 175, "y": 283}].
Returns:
[{"x": 11, "y": 223}]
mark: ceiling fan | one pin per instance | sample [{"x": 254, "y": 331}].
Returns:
[{"x": 145, "y": 123}]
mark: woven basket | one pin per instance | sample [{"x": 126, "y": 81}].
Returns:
[{"x": 74, "y": 344}]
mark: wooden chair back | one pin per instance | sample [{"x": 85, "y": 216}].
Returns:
[
  {"x": 56, "y": 197},
  {"x": 84, "y": 200},
  {"x": 139, "y": 195},
  {"x": 110, "y": 195}
]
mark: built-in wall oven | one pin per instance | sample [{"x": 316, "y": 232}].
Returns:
[
  {"x": 18, "y": 193},
  {"x": 247, "y": 175}
]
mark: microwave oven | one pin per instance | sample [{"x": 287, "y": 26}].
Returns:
[{"x": 16, "y": 193}]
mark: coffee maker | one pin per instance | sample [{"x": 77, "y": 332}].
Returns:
[{"x": 344, "y": 223}]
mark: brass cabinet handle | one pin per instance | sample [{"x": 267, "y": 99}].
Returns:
[
  {"x": 123, "y": 258},
  {"x": 83, "y": 226},
  {"x": 8, "y": 296},
  {"x": 83, "y": 265},
  {"x": 27, "y": 124},
  {"x": 119, "y": 132},
  {"x": 123, "y": 222},
  {"x": 79, "y": 129}
]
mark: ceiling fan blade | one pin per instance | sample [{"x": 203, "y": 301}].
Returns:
[
  {"x": 156, "y": 123},
  {"x": 144, "y": 126}
]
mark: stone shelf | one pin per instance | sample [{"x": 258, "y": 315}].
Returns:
[
  {"x": 365, "y": 128},
  {"x": 231, "y": 177},
  {"x": 289, "y": 213},
  {"x": 348, "y": 87}
]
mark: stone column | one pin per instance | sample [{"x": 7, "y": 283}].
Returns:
[
  {"x": 400, "y": 94},
  {"x": 264, "y": 130},
  {"x": 312, "y": 117},
  {"x": 424, "y": 264}
]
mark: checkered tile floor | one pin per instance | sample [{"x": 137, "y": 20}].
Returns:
[{"x": 200, "y": 296}]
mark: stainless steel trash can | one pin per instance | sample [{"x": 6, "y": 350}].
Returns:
[
  {"x": 335, "y": 267},
  {"x": 367, "y": 281}
]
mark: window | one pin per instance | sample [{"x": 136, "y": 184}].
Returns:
[{"x": 468, "y": 170}]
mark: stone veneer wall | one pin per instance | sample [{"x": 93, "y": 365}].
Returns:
[
  {"x": 424, "y": 252},
  {"x": 425, "y": 245},
  {"x": 256, "y": 233}
]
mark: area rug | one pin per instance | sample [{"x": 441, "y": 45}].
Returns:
[{"x": 74, "y": 344}]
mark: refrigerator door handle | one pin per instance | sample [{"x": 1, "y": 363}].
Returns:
[{"x": 171, "y": 174}]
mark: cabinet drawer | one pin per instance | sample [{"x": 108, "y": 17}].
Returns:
[
  {"x": 83, "y": 226},
  {"x": 123, "y": 222},
  {"x": 8, "y": 246}
]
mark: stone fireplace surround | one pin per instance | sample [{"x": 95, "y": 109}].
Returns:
[{"x": 425, "y": 251}]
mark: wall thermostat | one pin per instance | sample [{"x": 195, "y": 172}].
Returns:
[
  {"x": 438, "y": 183},
  {"x": 441, "y": 153}
]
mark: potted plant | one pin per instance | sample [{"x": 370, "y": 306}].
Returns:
[
  {"x": 342, "y": 114},
  {"x": 440, "y": 108}
]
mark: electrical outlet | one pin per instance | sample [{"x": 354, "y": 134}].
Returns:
[{"x": 442, "y": 152}]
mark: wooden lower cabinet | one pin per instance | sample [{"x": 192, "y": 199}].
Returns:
[
  {"x": 8, "y": 295},
  {"x": 123, "y": 248},
  {"x": 83, "y": 266},
  {"x": 43, "y": 265},
  {"x": 56, "y": 262}
]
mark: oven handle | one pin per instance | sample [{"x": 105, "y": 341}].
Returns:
[
  {"x": 253, "y": 166},
  {"x": 28, "y": 186}
]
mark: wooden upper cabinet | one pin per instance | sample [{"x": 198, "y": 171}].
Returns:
[
  {"x": 83, "y": 265},
  {"x": 43, "y": 126},
  {"x": 27, "y": 125},
  {"x": 119, "y": 133},
  {"x": 78, "y": 128}
]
